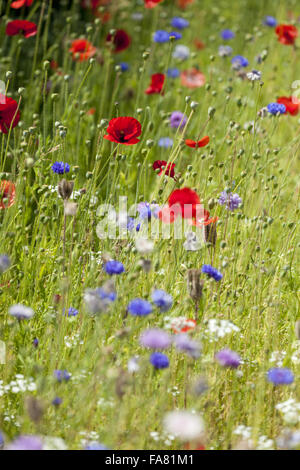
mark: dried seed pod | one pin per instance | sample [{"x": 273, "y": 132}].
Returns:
[
  {"x": 65, "y": 189},
  {"x": 195, "y": 284},
  {"x": 297, "y": 329},
  {"x": 210, "y": 234},
  {"x": 34, "y": 408}
]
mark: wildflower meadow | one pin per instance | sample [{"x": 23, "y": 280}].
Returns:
[{"x": 149, "y": 207}]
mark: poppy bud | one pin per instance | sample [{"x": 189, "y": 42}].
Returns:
[
  {"x": 211, "y": 112},
  {"x": 8, "y": 74},
  {"x": 65, "y": 188}
]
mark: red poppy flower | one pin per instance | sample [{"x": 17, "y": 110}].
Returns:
[
  {"x": 151, "y": 3},
  {"x": 201, "y": 143},
  {"x": 164, "y": 169},
  {"x": 7, "y": 194},
  {"x": 120, "y": 39},
  {"x": 157, "y": 83},
  {"x": 199, "y": 44},
  {"x": 9, "y": 114},
  {"x": 91, "y": 111},
  {"x": 182, "y": 324},
  {"x": 286, "y": 33},
  {"x": 21, "y": 3},
  {"x": 192, "y": 78},
  {"x": 21, "y": 26},
  {"x": 187, "y": 200},
  {"x": 184, "y": 3},
  {"x": 291, "y": 103},
  {"x": 82, "y": 49},
  {"x": 124, "y": 130}
]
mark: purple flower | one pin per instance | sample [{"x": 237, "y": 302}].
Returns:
[
  {"x": 57, "y": 401},
  {"x": 212, "y": 272},
  {"x": 228, "y": 358},
  {"x": 62, "y": 375},
  {"x": 159, "y": 360},
  {"x": 173, "y": 73},
  {"x": 4, "y": 263},
  {"x": 230, "y": 200},
  {"x": 162, "y": 300},
  {"x": 26, "y": 443},
  {"x": 139, "y": 307},
  {"x": 60, "y": 168},
  {"x": 227, "y": 34},
  {"x": 155, "y": 339},
  {"x": 72, "y": 312},
  {"x": 35, "y": 342},
  {"x": 113, "y": 267},
  {"x": 177, "y": 119},
  {"x": 280, "y": 376},
  {"x": 94, "y": 445},
  {"x": 1, "y": 440},
  {"x": 184, "y": 343},
  {"x": 165, "y": 142}
]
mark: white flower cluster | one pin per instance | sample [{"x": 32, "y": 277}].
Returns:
[
  {"x": 278, "y": 357},
  {"x": 73, "y": 340},
  {"x": 217, "y": 329},
  {"x": 167, "y": 439},
  {"x": 290, "y": 410},
  {"x": 18, "y": 385},
  {"x": 245, "y": 432}
]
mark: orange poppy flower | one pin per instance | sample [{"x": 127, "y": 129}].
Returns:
[{"x": 192, "y": 78}]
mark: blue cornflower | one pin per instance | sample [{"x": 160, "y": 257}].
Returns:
[
  {"x": 94, "y": 445},
  {"x": 159, "y": 360},
  {"x": 139, "y": 307},
  {"x": 4, "y": 263},
  {"x": 161, "y": 36},
  {"x": 227, "y": 34},
  {"x": 60, "y": 168},
  {"x": 57, "y": 401},
  {"x": 62, "y": 375},
  {"x": 173, "y": 73},
  {"x": 72, "y": 312},
  {"x": 275, "y": 108},
  {"x": 124, "y": 66},
  {"x": 179, "y": 23},
  {"x": 114, "y": 267},
  {"x": 162, "y": 300},
  {"x": 106, "y": 295},
  {"x": 212, "y": 272},
  {"x": 270, "y": 21},
  {"x": 35, "y": 342},
  {"x": 280, "y": 376},
  {"x": 175, "y": 35},
  {"x": 165, "y": 142},
  {"x": 239, "y": 61}
]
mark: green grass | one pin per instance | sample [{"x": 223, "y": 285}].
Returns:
[{"x": 257, "y": 249}]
